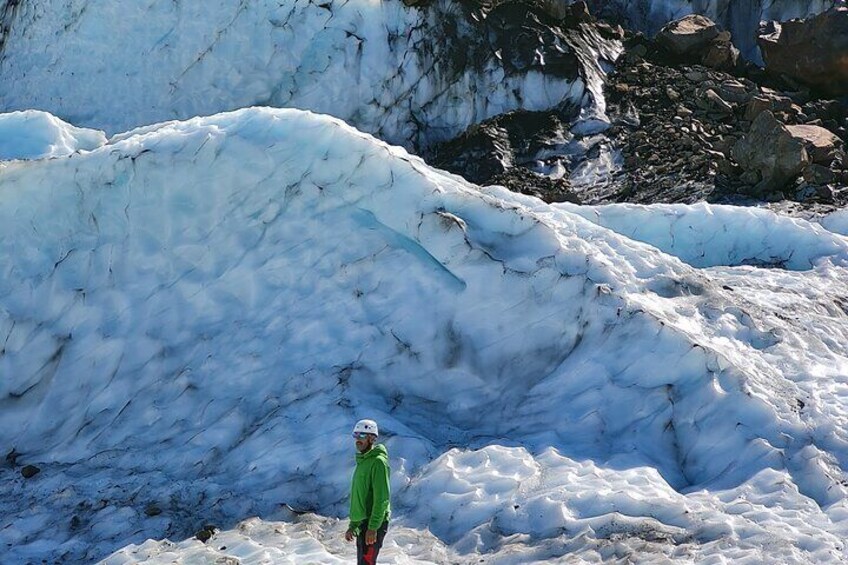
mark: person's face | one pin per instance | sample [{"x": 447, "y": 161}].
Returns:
[{"x": 364, "y": 442}]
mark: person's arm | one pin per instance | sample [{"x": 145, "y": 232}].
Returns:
[{"x": 382, "y": 493}]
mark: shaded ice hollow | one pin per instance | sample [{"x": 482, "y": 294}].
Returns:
[{"x": 194, "y": 313}]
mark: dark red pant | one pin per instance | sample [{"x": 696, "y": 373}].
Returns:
[{"x": 367, "y": 554}]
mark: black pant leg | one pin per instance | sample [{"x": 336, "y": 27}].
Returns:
[
  {"x": 367, "y": 554},
  {"x": 360, "y": 544}
]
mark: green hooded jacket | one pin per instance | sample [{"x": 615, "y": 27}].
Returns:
[{"x": 369, "y": 489}]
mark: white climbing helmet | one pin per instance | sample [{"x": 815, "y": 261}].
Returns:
[{"x": 366, "y": 427}]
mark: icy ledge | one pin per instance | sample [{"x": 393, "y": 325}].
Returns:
[
  {"x": 705, "y": 235},
  {"x": 193, "y": 314},
  {"x": 38, "y": 135}
]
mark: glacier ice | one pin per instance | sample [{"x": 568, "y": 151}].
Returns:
[{"x": 193, "y": 313}]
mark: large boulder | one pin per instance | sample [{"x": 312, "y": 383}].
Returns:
[
  {"x": 697, "y": 39},
  {"x": 689, "y": 34},
  {"x": 822, "y": 145},
  {"x": 721, "y": 54},
  {"x": 814, "y": 51},
  {"x": 771, "y": 153}
]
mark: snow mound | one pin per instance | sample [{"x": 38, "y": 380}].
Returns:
[
  {"x": 705, "y": 235},
  {"x": 38, "y": 135},
  {"x": 193, "y": 315}
]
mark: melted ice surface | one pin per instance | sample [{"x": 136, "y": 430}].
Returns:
[{"x": 194, "y": 314}]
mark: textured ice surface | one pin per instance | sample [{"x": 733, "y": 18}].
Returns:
[
  {"x": 836, "y": 222},
  {"x": 408, "y": 75},
  {"x": 38, "y": 135},
  {"x": 704, "y": 235},
  {"x": 193, "y": 315}
]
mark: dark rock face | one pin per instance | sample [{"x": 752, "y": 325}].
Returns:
[
  {"x": 813, "y": 51},
  {"x": 526, "y": 39},
  {"x": 503, "y": 151},
  {"x": 510, "y": 149},
  {"x": 501, "y": 40},
  {"x": 522, "y": 35},
  {"x": 675, "y": 151},
  {"x": 699, "y": 135}
]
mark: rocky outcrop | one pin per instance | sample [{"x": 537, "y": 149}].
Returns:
[
  {"x": 205, "y": 533},
  {"x": 813, "y": 51},
  {"x": 680, "y": 133},
  {"x": 705, "y": 130},
  {"x": 675, "y": 127},
  {"x": 503, "y": 151}
]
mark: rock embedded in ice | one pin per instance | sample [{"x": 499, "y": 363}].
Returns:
[{"x": 30, "y": 471}]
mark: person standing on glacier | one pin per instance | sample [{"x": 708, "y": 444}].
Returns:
[{"x": 370, "y": 494}]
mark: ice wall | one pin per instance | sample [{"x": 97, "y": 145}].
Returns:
[{"x": 408, "y": 75}]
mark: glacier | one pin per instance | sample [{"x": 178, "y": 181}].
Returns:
[
  {"x": 218, "y": 251},
  {"x": 193, "y": 313}
]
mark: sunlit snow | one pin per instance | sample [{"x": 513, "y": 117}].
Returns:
[{"x": 194, "y": 314}]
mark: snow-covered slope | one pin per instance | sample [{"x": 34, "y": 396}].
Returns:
[
  {"x": 410, "y": 76},
  {"x": 193, "y": 315}
]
